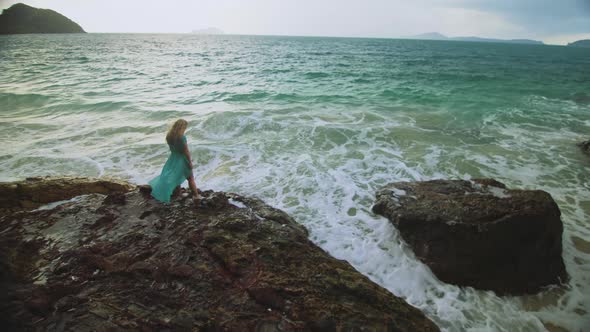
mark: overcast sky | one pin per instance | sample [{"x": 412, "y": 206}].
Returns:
[{"x": 553, "y": 21}]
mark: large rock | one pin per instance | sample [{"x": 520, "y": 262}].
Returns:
[
  {"x": 478, "y": 233},
  {"x": 585, "y": 146},
  {"x": 36, "y": 191},
  {"x": 125, "y": 261}
]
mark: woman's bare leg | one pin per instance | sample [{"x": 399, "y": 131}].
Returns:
[
  {"x": 176, "y": 191},
  {"x": 193, "y": 185}
]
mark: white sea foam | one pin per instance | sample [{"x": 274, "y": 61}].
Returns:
[
  {"x": 398, "y": 192},
  {"x": 320, "y": 189},
  {"x": 498, "y": 192},
  {"x": 325, "y": 176},
  {"x": 237, "y": 204},
  {"x": 53, "y": 205}
]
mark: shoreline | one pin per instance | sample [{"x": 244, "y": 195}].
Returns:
[{"x": 121, "y": 259}]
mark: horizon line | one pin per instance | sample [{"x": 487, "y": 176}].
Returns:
[{"x": 449, "y": 39}]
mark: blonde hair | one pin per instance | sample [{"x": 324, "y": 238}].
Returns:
[{"x": 174, "y": 135}]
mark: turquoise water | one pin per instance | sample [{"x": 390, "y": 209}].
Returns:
[{"x": 314, "y": 126}]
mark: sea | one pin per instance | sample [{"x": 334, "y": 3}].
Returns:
[{"x": 314, "y": 126}]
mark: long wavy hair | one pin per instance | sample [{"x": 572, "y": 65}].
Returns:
[{"x": 174, "y": 135}]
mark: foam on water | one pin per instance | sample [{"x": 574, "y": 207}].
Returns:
[
  {"x": 296, "y": 129},
  {"x": 363, "y": 239}
]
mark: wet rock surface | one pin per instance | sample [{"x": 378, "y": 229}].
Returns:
[
  {"x": 479, "y": 233},
  {"x": 124, "y": 261},
  {"x": 585, "y": 146},
  {"x": 36, "y": 191}
]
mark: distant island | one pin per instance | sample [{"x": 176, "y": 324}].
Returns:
[
  {"x": 580, "y": 43},
  {"x": 208, "y": 31},
  {"x": 21, "y": 18},
  {"x": 438, "y": 36}
]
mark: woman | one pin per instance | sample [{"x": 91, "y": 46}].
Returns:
[{"x": 178, "y": 167}]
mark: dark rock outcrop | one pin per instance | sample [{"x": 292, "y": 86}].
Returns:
[
  {"x": 36, "y": 191},
  {"x": 585, "y": 146},
  {"x": 20, "y": 18},
  {"x": 125, "y": 261},
  {"x": 478, "y": 233}
]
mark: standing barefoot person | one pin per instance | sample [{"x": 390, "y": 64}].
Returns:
[{"x": 178, "y": 167}]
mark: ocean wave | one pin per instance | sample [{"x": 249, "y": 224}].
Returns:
[
  {"x": 81, "y": 59},
  {"x": 102, "y": 106},
  {"x": 319, "y": 53},
  {"x": 27, "y": 166},
  {"x": 316, "y": 75},
  {"x": 276, "y": 71},
  {"x": 581, "y": 98},
  {"x": 265, "y": 96},
  {"x": 248, "y": 97},
  {"x": 361, "y": 81},
  {"x": 9, "y": 101}
]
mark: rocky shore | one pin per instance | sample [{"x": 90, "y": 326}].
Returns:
[{"x": 111, "y": 258}]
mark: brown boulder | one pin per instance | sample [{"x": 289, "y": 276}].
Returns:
[
  {"x": 36, "y": 191},
  {"x": 128, "y": 262},
  {"x": 478, "y": 233}
]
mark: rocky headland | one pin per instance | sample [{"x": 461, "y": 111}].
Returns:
[
  {"x": 20, "y": 18},
  {"x": 109, "y": 257},
  {"x": 580, "y": 43},
  {"x": 439, "y": 36},
  {"x": 479, "y": 233}
]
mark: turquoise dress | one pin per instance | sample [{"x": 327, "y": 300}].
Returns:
[{"x": 175, "y": 171}]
